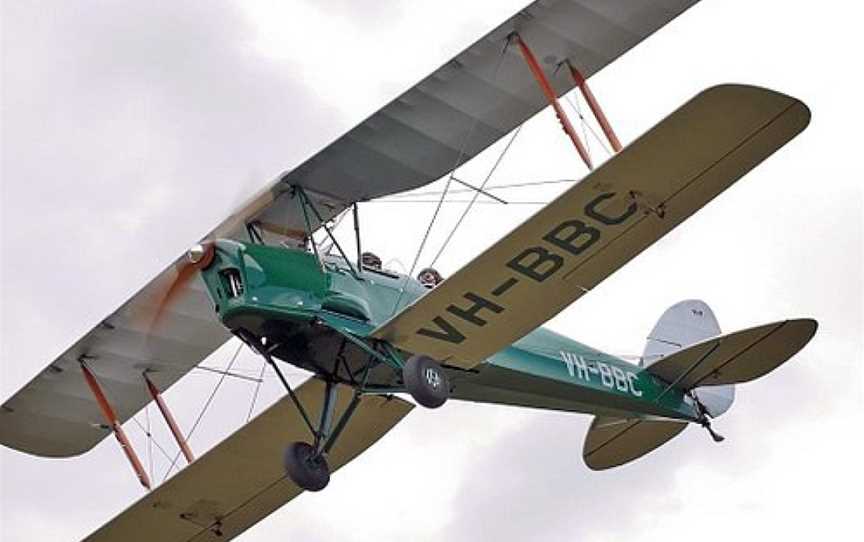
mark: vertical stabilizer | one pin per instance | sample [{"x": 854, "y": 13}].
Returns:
[
  {"x": 681, "y": 325},
  {"x": 684, "y": 323}
]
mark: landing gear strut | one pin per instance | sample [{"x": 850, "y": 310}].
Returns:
[
  {"x": 705, "y": 420},
  {"x": 706, "y": 423},
  {"x": 306, "y": 464}
]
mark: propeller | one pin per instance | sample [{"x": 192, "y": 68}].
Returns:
[{"x": 198, "y": 258}]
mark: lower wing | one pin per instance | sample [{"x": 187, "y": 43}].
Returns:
[
  {"x": 241, "y": 480},
  {"x": 598, "y": 225}
]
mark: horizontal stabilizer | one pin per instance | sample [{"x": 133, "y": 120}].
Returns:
[
  {"x": 611, "y": 442},
  {"x": 736, "y": 357},
  {"x": 241, "y": 480}
]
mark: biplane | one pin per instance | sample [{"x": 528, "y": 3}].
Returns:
[{"x": 371, "y": 337}]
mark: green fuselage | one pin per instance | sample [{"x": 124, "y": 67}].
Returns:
[{"x": 305, "y": 308}]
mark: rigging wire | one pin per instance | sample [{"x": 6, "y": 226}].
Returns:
[
  {"x": 204, "y": 409},
  {"x": 459, "y": 201},
  {"x": 586, "y": 125},
  {"x": 257, "y": 389},
  {"x": 149, "y": 440},
  {"x": 583, "y": 122},
  {"x": 476, "y": 195},
  {"x": 152, "y": 438},
  {"x": 144, "y": 430},
  {"x": 234, "y": 374},
  {"x": 474, "y": 122},
  {"x": 525, "y": 184}
]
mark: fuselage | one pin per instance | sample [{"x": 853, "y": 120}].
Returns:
[{"x": 295, "y": 301}]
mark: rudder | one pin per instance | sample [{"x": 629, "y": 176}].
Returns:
[{"x": 685, "y": 323}]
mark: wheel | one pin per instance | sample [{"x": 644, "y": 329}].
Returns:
[
  {"x": 307, "y": 471},
  {"x": 426, "y": 381}
]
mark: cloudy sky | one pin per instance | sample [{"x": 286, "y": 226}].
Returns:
[{"x": 129, "y": 129}]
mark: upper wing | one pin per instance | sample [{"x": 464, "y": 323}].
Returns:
[
  {"x": 413, "y": 140},
  {"x": 56, "y": 415},
  {"x": 463, "y": 107},
  {"x": 209, "y": 501},
  {"x": 598, "y": 225}
]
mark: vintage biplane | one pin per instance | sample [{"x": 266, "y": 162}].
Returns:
[{"x": 368, "y": 334}]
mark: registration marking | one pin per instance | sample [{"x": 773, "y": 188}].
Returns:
[{"x": 611, "y": 376}]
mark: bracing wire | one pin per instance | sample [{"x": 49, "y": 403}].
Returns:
[
  {"x": 153, "y": 440},
  {"x": 204, "y": 409},
  {"x": 460, "y": 156},
  {"x": 575, "y": 104},
  {"x": 476, "y": 195},
  {"x": 480, "y": 202},
  {"x": 586, "y": 125},
  {"x": 257, "y": 390},
  {"x": 149, "y": 440},
  {"x": 394, "y": 197}
]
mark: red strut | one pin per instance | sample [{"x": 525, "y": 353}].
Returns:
[
  {"x": 111, "y": 418},
  {"x": 547, "y": 89},
  {"x": 595, "y": 107},
  {"x": 169, "y": 419}
]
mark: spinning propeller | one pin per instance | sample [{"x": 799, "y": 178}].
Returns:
[{"x": 198, "y": 258}]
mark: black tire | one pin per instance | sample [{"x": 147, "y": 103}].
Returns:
[
  {"x": 307, "y": 471},
  {"x": 426, "y": 381}
]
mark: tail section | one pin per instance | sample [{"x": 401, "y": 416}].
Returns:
[
  {"x": 683, "y": 324},
  {"x": 687, "y": 351}
]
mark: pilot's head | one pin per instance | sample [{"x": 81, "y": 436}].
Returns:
[
  {"x": 429, "y": 277},
  {"x": 370, "y": 261}
]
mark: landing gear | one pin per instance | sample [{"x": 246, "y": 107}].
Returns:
[
  {"x": 426, "y": 381},
  {"x": 716, "y": 437},
  {"x": 705, "y": 420},
  {"x": 306, "y": 464},
  {"x": 306, "y": 467}
]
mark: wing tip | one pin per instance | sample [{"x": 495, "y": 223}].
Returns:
[{"x": 794, "y": 105}]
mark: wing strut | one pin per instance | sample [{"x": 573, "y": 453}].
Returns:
[
  {"x": 549, "y": 92},
  {"x": 169, "y": 419},
  {"x": 114, "y": 423},
  {"x": 582, "y": 83}
]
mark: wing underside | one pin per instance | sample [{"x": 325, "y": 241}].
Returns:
[
  {"x": 598, "y": 225},
  {"x": 611, "y": 442},
  {"x": 736, "y": 357},
  {"x": 209, "y": 501}
]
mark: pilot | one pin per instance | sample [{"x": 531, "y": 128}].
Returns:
[
  {"x": 429, "y": 277},
  {"x": 370, "y": 261}
]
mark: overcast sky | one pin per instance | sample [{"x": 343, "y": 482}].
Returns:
[{"x": 129, "y": 129}]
